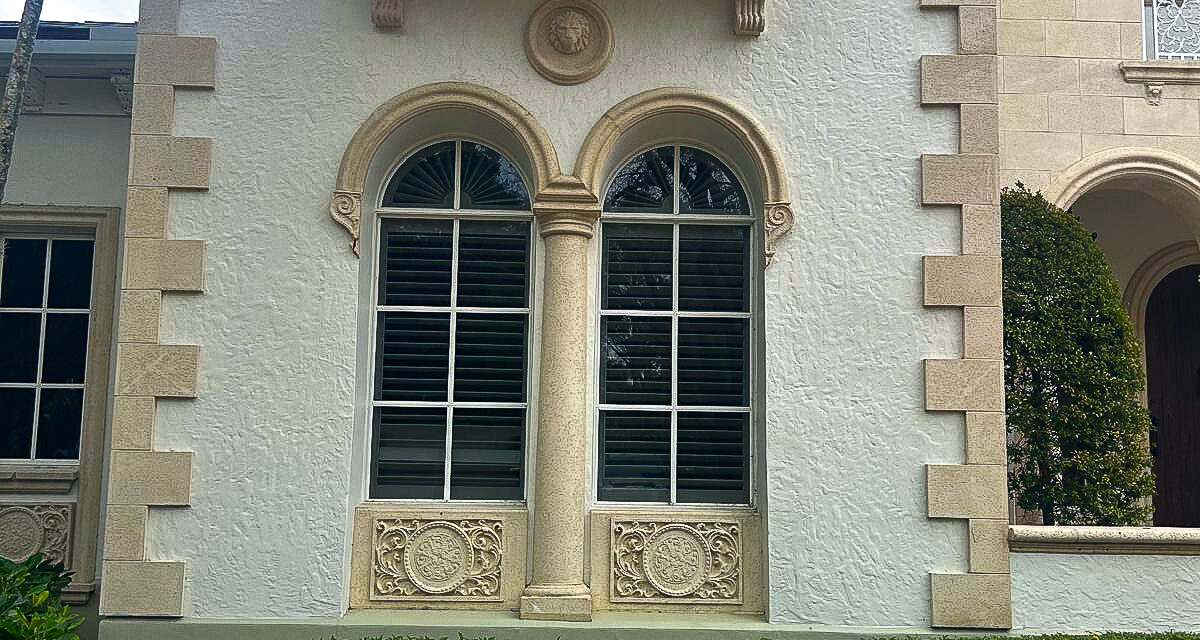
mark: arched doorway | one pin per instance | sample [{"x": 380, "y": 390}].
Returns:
[{"x": 1173, "y": 395}]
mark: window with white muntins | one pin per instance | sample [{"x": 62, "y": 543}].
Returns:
[
  {"x": 45, "y": 313},
  {"x": 674, "y": 383},
  {"x": 449, "y": 408}
]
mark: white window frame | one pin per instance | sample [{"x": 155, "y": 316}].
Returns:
[
  {"x": 676, "y": 219},
  {"x": 44, "y": 311},
  {"x": 1150, "y": 35},
  {"x": 456, "y": 215}
]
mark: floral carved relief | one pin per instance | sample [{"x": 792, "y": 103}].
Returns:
[
  {"x": 26, "y": 529},
  {"x": 693, "y": 562},
  {"x": 436, "y": 559}
]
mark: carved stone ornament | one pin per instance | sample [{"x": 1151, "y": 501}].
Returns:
[
  {"x": 388, "y": 14},
  {"x": 26, "y": 529},
  {"x": 122, "y": 84},
  {"x": 778, "y": 221},
  {"x": 346, "y": 209},
  {"x": 749, "y": 17},
  {"x": 569, "y": 41},
  {"x": 687, "y": 563},
  {"x": 436, "y": 560}
]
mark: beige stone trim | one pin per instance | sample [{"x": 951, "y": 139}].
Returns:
[
  {"x": 142, "y": 589},
  {"x": 749, "y": 17},
  {"x": 618, "y": 589},
  {"x": 570, "y": 60},
  {"x": 972, "y": 600},
  {"x": 605, "y": 134},
  {"x": 1156, "y": 75},
  {"x": 975, "y": 491},
  {"x": 388, "y": 14},
  {"x": 139, "y": 477},
  {"x": 86, "y": 478},
  {"x": 1165, "y": 541},
  {"x": 181, "y": 61},
  {"x": 380, "y": 557}
]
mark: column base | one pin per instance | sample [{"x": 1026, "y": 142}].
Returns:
[{"x": 565, "y": 602}]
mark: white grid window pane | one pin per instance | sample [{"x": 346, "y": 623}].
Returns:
[{"x": 45, "y": 317}]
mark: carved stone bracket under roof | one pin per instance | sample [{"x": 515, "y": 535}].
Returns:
[{"x": 749, "y": 16}]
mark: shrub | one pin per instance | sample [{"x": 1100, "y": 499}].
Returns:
[
  {"x": 30, "y": 601},
  {"x": 1073, "y": 374}
]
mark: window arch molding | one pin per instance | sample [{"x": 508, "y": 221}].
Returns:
[
  {"x": 418, "y": 109},
  {"x": 675, "y": 110}
]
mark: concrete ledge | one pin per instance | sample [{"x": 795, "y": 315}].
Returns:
[
  {"x": 502, "y": 625},
  {"x": 1165, "y": 541}
]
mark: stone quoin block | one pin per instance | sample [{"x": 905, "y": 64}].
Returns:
[
  {"x": 964, "y": 385},
  {"x": 125, "y": 532},
  {"x": 987, "y": 439},
  {"x": 159, "y": 370},
  {"x": 960, "y": 281},
  {"x": 983, "y": 333},
  {"x": 146, "y": 212},
  {"x": 967, "y": 491},
  {"x": 153, "y": 109},
  {"x": 133, "y": 422},
  {"x": 988, "y": 542},
  {"x": 977, "y": 30},
  {"x": 139, "y": 316},
  {"x": 959, "y": 179},
  {"x": 979, "y": 128},
  {"x": 168, "y": 265},
  {"x": 158, "y": 17},
  {"x": 981, "y": 229},
  {"x": 182, "y": 61},
  {"x": 154, "y": 478},
  {"x": 169, "y": 161},
  {"x": 959, "y": 79},
  {"x": 972, "y": 600},
  {"x": 142, "y": 589}
]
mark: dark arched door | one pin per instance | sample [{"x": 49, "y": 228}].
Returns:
[{"x": 1173, "y": 376}]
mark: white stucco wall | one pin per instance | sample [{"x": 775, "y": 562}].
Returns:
[
  {"x": 69, "y": 160},
  {"x": 848, "y": 438},
  {"x": 1053, "y": 592}
]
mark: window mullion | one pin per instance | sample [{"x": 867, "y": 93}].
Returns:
[
  {"x": 37, "y": 389},
  {"x": 451, "y": 355},
  {"x": 674, "y": 345}
]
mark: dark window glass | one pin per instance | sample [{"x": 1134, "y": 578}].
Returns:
[
  {"x": 413, "y": 356},
  {"x": 714, "y": 268},
  {"x": 20, "y": 337},
  {"x": 425, "y": 180},
  {"x": 24, "y": 273},
  {"x": 490, "y": 181},
  {"x": 410, "y": 452},
  {"x": 635, "y": 456},
  {"x": 59, "y": 424},
  {"x": 713, "y": 459},
  {"x": 65, "y": 357},
  {"x": 415, "y": 261},
  {"x": 488, "y": 454},
  {"x": 16, "y": 422},
  {"x": 713, "y": 356},
  {"x": 637, "y": 266},
  {"x": 706, "y": 185},
  {"x": 71, "y": 274},
  {"x": 489, "y": 358},
  {"x": 493, "y": 264},
  {"x": 636, "y": 360},
  {"x": 646, "y": 184}
]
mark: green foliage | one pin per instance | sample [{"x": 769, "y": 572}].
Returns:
[
  {"x": 30, "y": 601},
  {"x": 1073, "y": 373}
]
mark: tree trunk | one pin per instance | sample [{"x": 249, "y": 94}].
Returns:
[{"x": 14, "y": 87}]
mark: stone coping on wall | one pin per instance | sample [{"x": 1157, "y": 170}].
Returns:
[{"x": 1170, "y": 541}]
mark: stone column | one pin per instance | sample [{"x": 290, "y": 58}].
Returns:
[{"x": 557, "y": 590}]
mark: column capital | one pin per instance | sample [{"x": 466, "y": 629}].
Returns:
[{"x": 557, "y": 219}]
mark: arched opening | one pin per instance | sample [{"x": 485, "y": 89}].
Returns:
[{"x": 1144, "y": 209}]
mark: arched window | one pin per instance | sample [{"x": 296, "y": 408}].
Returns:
[
  {"x": 449, "y": 405},
  {"x": 675, "y": 332}
]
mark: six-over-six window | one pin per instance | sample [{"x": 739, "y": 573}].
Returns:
[{"x": 450, "y": 410}]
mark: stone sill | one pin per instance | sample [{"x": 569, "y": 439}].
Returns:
[
  {"x": 1162, "y": 72},
  {"x": 1164, "y": 541},
  {"x": 16, "y": 478}
]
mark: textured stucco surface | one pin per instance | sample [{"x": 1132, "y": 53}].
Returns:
[
  {"x": 69, "y": 160},
  {"x": 1053, "y": 592},
  {"x": 273, "y": 425}
]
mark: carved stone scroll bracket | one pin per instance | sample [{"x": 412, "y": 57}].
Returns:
[
  {"x": 432, "y": 560},
  {"x": 749, "y": 17},
  {"x": 346, "y": 209},
  {"x": 26, "y": 529},
  {"x": 388, "y": 14},
  {"x": 122, "y": 84},
  {"x": 778, "y": 220},
  {"x": 672, "y": 562}
]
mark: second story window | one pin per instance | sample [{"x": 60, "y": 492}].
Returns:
[
  {"x": 1172, "y": 29},
  {"x": 450, "y": 400},
  {"x": 45, "y": 308}
]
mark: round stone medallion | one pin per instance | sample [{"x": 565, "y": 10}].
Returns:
[
  {"x": 569, "y": 41},
  {"x": 676, "y": 560},
  {"x": 21, "y": 533},
  {"x": 438, "y": 558}
]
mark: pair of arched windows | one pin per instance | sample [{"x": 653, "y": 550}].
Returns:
[{"x": 450, "y": 405}]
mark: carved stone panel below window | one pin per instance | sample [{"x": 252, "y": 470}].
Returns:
[
  {"x": 433, "y": 560},
  {"x": 26, "y": 529},
  {"x": 692, "y": 562}
]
